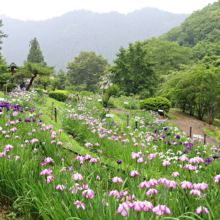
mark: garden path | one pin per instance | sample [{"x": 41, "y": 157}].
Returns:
[{"x": 185, "y": 121}]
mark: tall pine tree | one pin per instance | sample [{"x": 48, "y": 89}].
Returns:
[{"x": 35, "y": 54}]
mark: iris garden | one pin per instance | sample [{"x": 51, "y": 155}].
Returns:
[{"x": 89, "y": 166}]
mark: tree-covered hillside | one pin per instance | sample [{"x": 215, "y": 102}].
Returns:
[
  {"x": 62, "y": 38},
  {"x": 201, "y": 30}
]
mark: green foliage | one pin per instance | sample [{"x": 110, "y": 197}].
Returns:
[
  {"x": 59, "y": 95},
  {"x": 196, "y": 89},
  {"x": 62, "y": 75},
  {"x": 87, "y": 68},
  {"x": 1, "y": 33},
  {"x": 156, "y": 103},
  {"x": 45, "y": 81},
  {"x": 111, "y": 91},
  {"x": 134, "y": 69},
  {"x": 167, "y": 56},
  {"x": 201, "y": 30},
  {"x": 4, "y": 75},
  {"x": 31, "y": 71},
  {"x": 35, "y": 54},
  {"x": 55, "y": 83},
  {"x": 10, "y": 87}
]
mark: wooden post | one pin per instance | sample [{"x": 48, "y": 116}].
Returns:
[
  {"x": 55, "y": 114},
  {"x": 204, "y": 138},
  {"x": 128, "y": 119},
  {"x": 136, "y": 124},
  {"x": 52, "y": 111},
  {"x": 190, "y": 132}
]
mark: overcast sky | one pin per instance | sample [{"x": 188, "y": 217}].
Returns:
[{"x": 44, "y": 9}]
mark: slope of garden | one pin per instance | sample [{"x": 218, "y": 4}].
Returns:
[{"x": 115, "y": 172}]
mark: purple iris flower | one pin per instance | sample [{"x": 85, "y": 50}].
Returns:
[
  {"x": 168, "y": 134},
  {"x": 119, "y": 162},
  {"x": 34, "y": 119},
  {"x": 27, "y": 120},
  {"x": 177, "y": 137},
  {"x": 209, "y": 160}
]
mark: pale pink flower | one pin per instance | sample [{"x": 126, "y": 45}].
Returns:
[
  {"x": 89, "y": 193},
  {"x": 93, "y": 160},
  {"x": 49, "y": 160},
  {"x": 125, "y": 193},
  {"x": 117, "y": 179},
  {"x": 134, "y": 155},
  {"x": 97, "y": 177},
  {"x": 151, "y": 156},
  {"x": 59, "y": 143},
  {"x": 199, "y": 210},
  {"x": 153, "y": 182},
  {"x": 216, "y": 178},
  {"x": 134, "y": 173},
  {"x": 46, "y": 172},
  {"x": 88, "y": 144},
  {"x": 105, "y": 204},
  {"x": 202, "y": 186},
  {"x": 133, "y": 196},
  {"x": 140, "y": 160},
  {"x": 124, "y": 208},
  {"x": 186, "y": 184},
  {"x": 74, "y": 189},
  {"x": 147, "y": 206},
  {"x": 151, "y": 192},
  {"x": 100, "y": 151},
  {"x": 80, "y": 204},
  {"x": 166, "y": 163},
  {"x": 171, "y": 184},
  {"x": 145, "y": 184},
  {"x": 115, "y": 193},
  {"x": 77, "y": 177},
  {"x": 60, "y": 187},
  {"x": 163, "y": 180},
  {"x": 137, "y": 206},
  {"x": 195, "y": 192},
  {"x": 161, "y": 209},
  {"x": 175, "y": 174},
  {"x": 49, "y": 179}
]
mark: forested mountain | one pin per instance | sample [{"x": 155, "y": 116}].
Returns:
[
  {"x": 201, "y": 31},
  {"x": 62, "y": 38}
]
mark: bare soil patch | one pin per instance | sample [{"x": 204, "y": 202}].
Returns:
[{"x": 185, "y": 121}]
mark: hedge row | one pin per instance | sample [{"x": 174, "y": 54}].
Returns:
[{"x": 59, "y": 95}]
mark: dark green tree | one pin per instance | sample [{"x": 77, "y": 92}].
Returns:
[
  {"x": 1, "y": 33},
  {"x": 134, "y": 69},
  {"x": 4, "y": 75},
  {"x": 62, "y": 75},
  {"x": 35, "y": 54},
  {"x": 87, "y": 68},
  {"x": 31, "y": 71}
]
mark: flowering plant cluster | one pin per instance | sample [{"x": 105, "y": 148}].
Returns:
[{"x": 150, "y": 172}]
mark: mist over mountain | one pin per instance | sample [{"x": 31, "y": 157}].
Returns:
[{"x": 62, "y": 38}]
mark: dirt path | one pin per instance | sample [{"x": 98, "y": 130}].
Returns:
[{"x": 185, "y": 121}]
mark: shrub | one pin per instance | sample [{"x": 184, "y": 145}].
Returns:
[
  {"x": 10, "y": 87},
  {"x": 59, "y": 95},
  {"x": 156, "y": 103}
]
